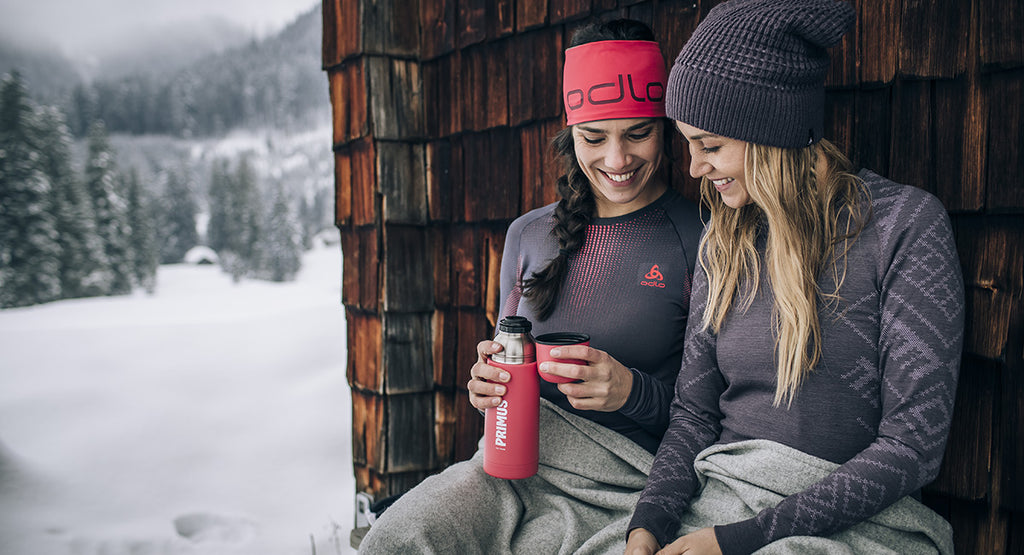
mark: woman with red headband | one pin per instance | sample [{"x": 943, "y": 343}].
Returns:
[{"x": 611, "y": 259}]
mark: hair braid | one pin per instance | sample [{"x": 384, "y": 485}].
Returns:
[{"x": 572, "y": 214}]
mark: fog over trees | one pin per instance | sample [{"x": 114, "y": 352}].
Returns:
[{"x": 102, "y": 180}]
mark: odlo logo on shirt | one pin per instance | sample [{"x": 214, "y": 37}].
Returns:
[
  {"x": 501, "y": 425},
  {"x": 653, "y": 278}
]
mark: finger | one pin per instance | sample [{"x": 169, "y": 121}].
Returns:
[
  {"x": 482, "y": 371},
  {"x": 485, "y": 388},
  {"x": 579, "y": 352},
  {"x": 563, "y": 369},
  {"x": 486, "y": 348},
  {"x": 483, "y": 402}
]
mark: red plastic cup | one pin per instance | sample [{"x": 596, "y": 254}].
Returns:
[{"x": 549, "y": 341}]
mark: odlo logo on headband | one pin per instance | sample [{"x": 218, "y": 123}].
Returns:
[{"x": 651, "y": 92}]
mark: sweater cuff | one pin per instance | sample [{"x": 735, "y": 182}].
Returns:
[
  {"x": 740, "y": 538},
  {"x": 655, "y": 520}
]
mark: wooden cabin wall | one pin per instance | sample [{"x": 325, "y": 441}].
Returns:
[{"x": 442, "y": 112}]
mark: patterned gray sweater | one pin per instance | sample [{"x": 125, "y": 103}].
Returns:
[{"x": 879, "y": 403}]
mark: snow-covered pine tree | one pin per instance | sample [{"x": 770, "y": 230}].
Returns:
[
  {"x": 249, "y": 202},
  {"x": 110, "y": 207},
  {"x": 178, "y": 231},
  {"x": 218, "y": 227},
  {"x": 29, "y": 252},
  {"x": 84, "y": 269},
  {"x": 145, "y": 255},
  {"x": 282, "y": 249}
]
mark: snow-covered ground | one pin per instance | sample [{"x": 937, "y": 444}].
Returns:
[{"x": 210, "y": 418}]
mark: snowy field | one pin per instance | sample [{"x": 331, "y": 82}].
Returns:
[{"x": 209, "y": 419}]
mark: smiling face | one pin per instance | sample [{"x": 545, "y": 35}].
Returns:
[
  {"x": 721, "y": 160},
  {"x": 620, "y": 158}
]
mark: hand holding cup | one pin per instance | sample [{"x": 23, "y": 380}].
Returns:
[{"x": 549, "y": 341}]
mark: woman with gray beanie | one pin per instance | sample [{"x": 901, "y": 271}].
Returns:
[{"x": 826, "y": 319}]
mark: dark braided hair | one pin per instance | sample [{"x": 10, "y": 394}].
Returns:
[{"x": 577, "y": 206}]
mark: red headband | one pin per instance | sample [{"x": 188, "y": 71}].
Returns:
[{"x": 613, "y": 79}]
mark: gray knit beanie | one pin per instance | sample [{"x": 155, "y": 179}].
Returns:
[{"x": 754, "y": 70}]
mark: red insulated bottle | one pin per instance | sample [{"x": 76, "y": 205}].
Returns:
[{"x": 511, "y": 429}]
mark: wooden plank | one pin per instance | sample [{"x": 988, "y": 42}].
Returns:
[
  {"x": 348, "y": 96},
  {"x": 445, "y": 423},
  {"x": 440, "y": 259},
  {"x": 840, "y": 118},
  {"x": 407, "y": 286},
  {"x": 449, "y": 94},
  {"x": 458, "y": 177},
  {"x": 1011, "y": 417},
  {"x": 437, "y": 37},
  {"x": 472, "y": 23},
  {"x": 401, "y": 170},
  {"x": 933, "y": 38},
  {"x": 477, "y": 163},
  {"x": 359, "y": 276},
  {"x": 502, "y": 174},
  {"x": 674, "y": 22},
  {"x": 531, "y": 14},
  {"x": 472, "y": 329},
  {"x": 342, "y": 187},
  {"x": 1001, "y": 22},
  {"x": 639, "y": 12},
  {"x": 965, "y": 470},
  {"x": 879, "y": 36},
  {"x": 501, "y": 15},
  {"x": 369, "y": 269},
  {"x": 468, "y": 429},
  {"x": 560, "y": 11},
  {"x": 842, "y": 70},
  {"x": 871, "y": 135},
  {"x": 364, "y": 182},
  {"x": 349, "y": 277},
  {"x": 912, "y": 147},
  {"x": 431, "y": 72},
  {"x": 438, "y": 156},
  {"x": 960, "y": 156},
  {"x": 474, "y": 76},
  {"x": 493, "y": 105},
  {"x": 364, "y": 351},
  {"x": 408, "y": 357},
  {"x": 466, "y": 267},
  {"x": 410, "y": 433},
  {"x": 495, "y": 244},
  {"x": 533, "y": 145},
  {"x": 368, "y": 426},
  {"x": 535, "y": 80},
  {"x": 992, "y": 258},
  {"x": 396, "y": 98},
  {"x": 1005, "y": 176},
  {"x": 340, "y": 26},
  {"x": 445, "y": 328},
  {"x": 387, "y": 29}
]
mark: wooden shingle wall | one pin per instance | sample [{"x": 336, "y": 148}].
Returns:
[{"x": 442, "y": 113}]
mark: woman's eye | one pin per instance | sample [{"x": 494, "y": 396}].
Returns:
[
  {"x": 592, "y": 141},
  {"x": 640, "y": 136},
  {"x": 710, "y": 149}
]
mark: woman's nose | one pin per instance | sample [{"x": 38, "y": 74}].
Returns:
[
  {"x": 698, "y": 166},
  {"x": 616, "y": 156}
]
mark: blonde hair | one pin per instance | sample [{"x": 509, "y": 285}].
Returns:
[{"x": 800, "y": 194}]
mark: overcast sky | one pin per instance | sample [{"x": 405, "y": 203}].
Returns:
[{"x": 76, "y": 24}]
